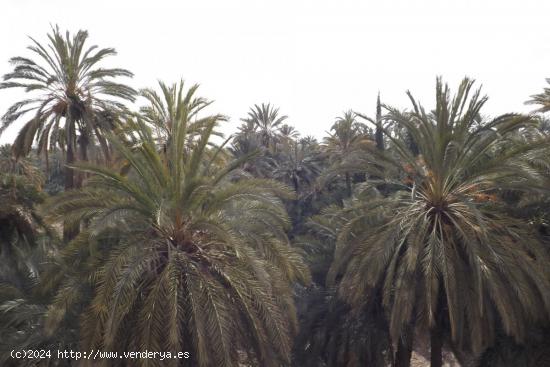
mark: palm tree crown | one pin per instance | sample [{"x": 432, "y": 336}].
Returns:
[
  {"x": 200, "y": 260},
  {"x": 443, "y": 250},
  {"x": 347, "y": 136},
  {"x": 72, "y": 97},
  {"x": 172, "y": 105},
  {"x": 266, "y": 120}
]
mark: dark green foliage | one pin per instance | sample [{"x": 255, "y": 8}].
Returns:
[
  {"x": 198, "y": 257},
  {"x": 267, "y": 248},
  {"x": 443, "y": 249}
]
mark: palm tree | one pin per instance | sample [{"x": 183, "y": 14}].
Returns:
[
  {"x": 247, "y": 143},
  {"x": 72, "y": 99},
  {"x": 288, "y": 133},
  {"x": 173, "y": 105},
  {"x": 261, "y": 165},
  {"x": 443, "y": 250},
  {"x": 268, "y": 123},
  {"x": 197, "y": 257},
  {"x": 25, "y": 245},
  {"x": 330, "y": 333},
  {"x": 23, "y": 167},
  {"x": 297, "y": 165},
  {"x": 23, "y": 304},
  {"x": 260, "y": 134},
  {"x": 346, "y": 137},
  {"x": 20, "y": 224},
  {"x": 541, "y": 99}
]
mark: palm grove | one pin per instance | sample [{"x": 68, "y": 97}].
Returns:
[{"x": 132, "y": 229}]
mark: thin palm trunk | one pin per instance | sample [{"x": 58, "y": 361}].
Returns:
[
  {"x": 348, "y": 184},
  {"x": 404, "y": 351},
  {"x": 379, "y": 134},
  {"x": 379, "y": 137},
  {"x": 104, "y": 145},
  {"x": 436, "y": 344},
  {"x": 436, "y": 336},
  {"x": 436, "y": 333},
  {"x": 69, "y": 231},
  {"x": 84, "y": 142},
  {"x": 69, "y": 172}
]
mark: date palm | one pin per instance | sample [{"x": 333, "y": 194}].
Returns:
[
  {"x": 444, "y": 250},
  {"x": 172, "y": 104},
  {"x": 288, "y": 133},
  {"x": 297, "y": 165},
  {"x": 197, "y": 257},
  {"x": 541, "y": 99},
  {"x": 267, "y": 123},
  {"x": 25, "y": 244},
  {"x": 262, "y": 165},
  {"x": 248, "y": 140},
  {"x": 20, "y": 224},
  {"x": 70, "y": 95},
  {"x": 330, "y": 333},
  {"x": 23, "y": 304},
  {"x": 347, "y": 136}
]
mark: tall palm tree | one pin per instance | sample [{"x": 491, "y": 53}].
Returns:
[
  {"x": 444, "y": 250},
  {"x": 71, "y": 97},
  {"x": 346, "y": 136},
  {"x": 268, "y": 122},
  {"x": 197, "y": 260}
]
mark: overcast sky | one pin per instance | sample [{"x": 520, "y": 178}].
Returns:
[{"x": 313, "y": 59}]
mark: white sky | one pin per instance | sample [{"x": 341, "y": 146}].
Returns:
[{"x": 313, "y": 59}]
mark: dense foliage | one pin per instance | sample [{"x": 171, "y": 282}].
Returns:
[{"x": 126, "y": 228}]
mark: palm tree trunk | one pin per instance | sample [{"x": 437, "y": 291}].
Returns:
[
  {"x": 69, "y": 232},
  {"x": 83, "y": 157},
  {"x": 436, "y": 346},
  {"x": 104, "y": 146},
  {"x": 69, "y": 174},
  {"x": 379, "y": 135},
  {"x": 404, "y": 352},
  {"x": 348, "y": 183},
  {"x": 296, "y": 185},
  {"x": 379, "y": 138}
]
